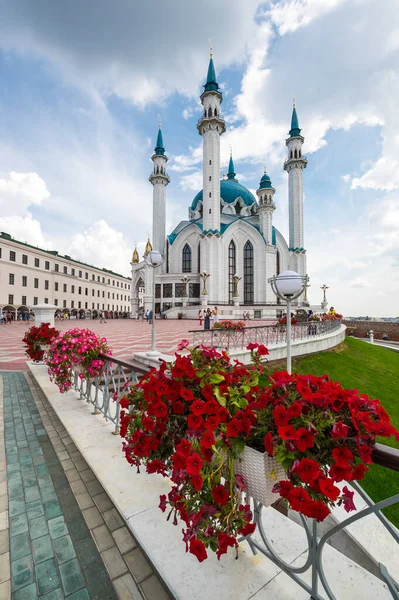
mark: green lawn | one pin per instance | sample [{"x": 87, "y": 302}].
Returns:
[{"x": 373, "y": 371}]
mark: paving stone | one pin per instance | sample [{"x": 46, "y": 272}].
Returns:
[
  {"x": 64, "y": 549},
  {"x": 78, "y": 529},
  {"x": 62, "y": 454},
  {"x": 87, "y": 475},
  {"x": 153, "y": 588},
  {"x": 92, "y": 517},
  {"x": 5, "y": 590},
  {"x": 78, "y": 487},
  {"x": 103, "y": 502},
  {"x": 57, "y": 594},
  {"x": 20, "y": 546},
  {"x": 16, "y": 507},
  {"x": 48, "y": 494},
  {"x": 72, "y": 577},
  {"x": 127, "y": 589},
  {"x": 38, "y": 527},
  {"x": 87, "y": 552},
  {"x": 29, "y": 592},
  {"x": 52, "y": 509},
  {"x": 18, "y": 524},
  {"x": 42, "y": 549},
  {"x": 47, "y": 576},
  {"x": 22, "y": 573},
  {"x": 99, "y": 585},
  {"x": 32, "y": 493},
  {"x": 4, "y": 520},
  {"x": 114, "y": 562},
  {"x": 80, "y": 595},
  {"x": 124, "y": 539},
  {"x": 4, "y": 567},
  {"x": 94, "y": 487},
  {"x": 4, "y": 541},
  {"x": 34, "y": 509},
  {"x": 103, "y": 538},
  {"x": 57, "y": 527},
  {"x": 67, "y": 464},
  {"x": 113, "y": 519},
  {"x": 81, "y": 464},
  {"x": 3, "y": 503},
  {"x": 138, "y": 564},
  {"x": 84, "y": 500},
  {"x": 72, "y": 475}
]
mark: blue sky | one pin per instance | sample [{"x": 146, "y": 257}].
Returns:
[{"x": 82, "y": 85}]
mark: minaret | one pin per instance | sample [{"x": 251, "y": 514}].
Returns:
[
  {"x": 211, "y": 126},
  {"x": 266, "y": 207},
  {"x": 231, "y": 173},
  {"x": 159, "y": 179}
]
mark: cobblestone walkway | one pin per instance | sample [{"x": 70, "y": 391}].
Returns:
[{"x": 60, "y": 534}]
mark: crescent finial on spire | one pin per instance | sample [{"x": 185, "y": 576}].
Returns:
[
  {"x": 159, "y": 122},
  {"x": 210, "y": 49},
  {"x": 231, "y": 151},
  {"x": 264, "y": 170},
  {"x": 293, "y": 101}
]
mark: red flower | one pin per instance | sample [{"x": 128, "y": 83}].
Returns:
[
  {"x": 298, "y": 499},
  {"x": 198, "y": 549},
  {"x": 268, "y": 442},
  {"x": 184, "y": 447},
  {"x": 220, "y": 495},
  {"x": 359, "y": 472},
  {"x": 223, "y": 414},
  {"x": 340, "y": 430},
  {"x": 295, "y": 410},
  {"x": 178, "y": 407},
  {"x": 207, "y": 440},
  {"x": 207, "y": 392},
  {"x": 285, "y": 488},
  {"x": 304, "y": 439},
  {"x": 307, "y": 469},
  {"x": 212, "y": 422},
  {"x": 211, "y": 406},
  {"x": 252, "y": 346},
  {"x": 262, "y": 350},
  {"x": 124, "y": 402},
  {"x": 162, "y": 503},
  {"x": 197, "y": 407},
  {"x": 233, "y": 428},
  {"x": 287, "y": 433},
  {"x": 197, "y": 482},
  {"x": 195, "y": 421},
  {"x": 316, "y": 509},
  {"x": 328, "y": 488},
  {"x": 148, "y": 423},
  {"x": 247, "y": 529},
  {"x": 160, "y": 410},
  {"x": 224, "y": 541},
  {"x": 340, "y": 473},
  {"x": 179, "y": 461},
  {"x": 342, "y": 456},
  {"x": 281, "y": 416},
  {"x": 347, "y": 499},
  {"x": 365, "y": 453},
  {"x": 194, "y": 464}
]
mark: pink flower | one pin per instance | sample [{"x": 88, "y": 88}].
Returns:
[
  {"x": 347, "y": 498},
  {"x": 183, "y": 345}
]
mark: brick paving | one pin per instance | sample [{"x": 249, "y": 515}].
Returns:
[
  {"x": 125, "y": 336},
  {"x": 60, "y": 534}
]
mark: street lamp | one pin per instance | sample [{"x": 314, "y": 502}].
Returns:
[
  {"x": 154, "y": 259},
  {"x": 288, "y": 286}
]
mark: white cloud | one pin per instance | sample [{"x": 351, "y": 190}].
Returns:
[
  {"x": 360, "y": 283},
  {"x": 19, "y": 191},
  {"x": 25, "y": 229},
  {"x": 289, "y": 15},
  {"x": 193, "y": 181}
]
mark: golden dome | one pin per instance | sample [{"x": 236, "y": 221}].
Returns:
[
  {"x": 135, "y": 257},
  {"x": 148, "y": 247}
]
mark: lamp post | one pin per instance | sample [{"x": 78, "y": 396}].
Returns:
[
  {"x": 154, "y": 259},
  {"x": 288, "y": 286}
]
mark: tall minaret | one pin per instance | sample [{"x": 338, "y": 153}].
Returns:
[
  {"x": 266, "y": 207},
  {"x": 211, "y": 126},
  {"x": 159, "y": 179},
  {"x": 294, "y": 166}
]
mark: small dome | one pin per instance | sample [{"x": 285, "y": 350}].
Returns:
[
  {"x": 148, "y": 247},
  {"x": 265, "y": 182},
  {"x": 135, "y": 257},
  {"x": 230, "y": 190}
]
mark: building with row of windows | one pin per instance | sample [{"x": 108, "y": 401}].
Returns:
[
  {"x": 229, "y": 240},
  {"x": 31, "y": 276}
]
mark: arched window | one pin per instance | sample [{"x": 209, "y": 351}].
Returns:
[
  {"x": 232, "y": 269},
  {"x": 186, "y": 256},
  {"x": 199, "y": 257},
  {"x": 296, "y": 153},
  {"x": 248, "y": 273},
  {"x": 299, "y": 153},
  {"x": 215, "y": 112},
  {"x": 209, "y": 112},
  {"x": 210, "y": 162},
  {"x": 210, "y": 178},
  {"x": 210, "y": 194},
  {"x": 291, "y": 154}
]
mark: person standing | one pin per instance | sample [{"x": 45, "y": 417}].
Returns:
[
  {"x": 207, "y": 320},
  {"x": 200, "y": 317},
  {"x": 215, "y": 315},
  {"x": 102, "y": 320}
]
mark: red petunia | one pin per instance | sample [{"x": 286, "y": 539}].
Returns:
[
  {"x": 304, "y": 439},
  {"x": 148, "y": 424},
  {"x": 220, "y": 495},
  {"x": 184, "y": 447},
  {"x": 224, "y": 541},
  {"x": 287, "y": 433},
  {"x": 268, "y": 442},
  {"x": 342, "y": 456},
  {"x": 179, "y": 461},
  {"x": 187, "y": 395},
  {"x": 124, "y": 402},
  {"x": 248, "y": 529},
  {"x": 281, "y": 416},
  {"x": 195, "y": 421},
  {"x": 207, "y": 392},
  {"x": 295, "y": 410},
  {"x": 207, "y": 440},
  {"x": 340, "y": 430},
  {"x": 284, "y": 488},
  {"x": 316, "y": 509},
  {"x": 194, "y": 464},
  {"x": 262, "y": 350},
  {"x": 233, "y": 428},
  {"x": 212, "y": 422},
  {"x": 307, "y": 469},
  {"x": 340, "y": 472},
  {"x": 198, "y": 549},
  {"x": 197, "y": 407},
  {"x": 160, "y": 410},
  {"x": 365, "y": 453},
  {"x": 178, "y": 407},
  {"x": 298, "y": 499},
  {"x": 197, "y": 482},
  {"x": 328, "y": 488},
  {"x": 359, "y": 472},
  {"x": 211, "y": 407}
]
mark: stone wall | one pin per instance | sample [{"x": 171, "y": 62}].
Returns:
[{"x": 380, "y": 328}]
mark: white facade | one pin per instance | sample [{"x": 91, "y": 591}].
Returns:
[
  {"x": 229, "y": 231},
  {"x": 30, "y": 276}
]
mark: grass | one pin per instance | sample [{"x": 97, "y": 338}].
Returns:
[{"x": 373, "y": 371}]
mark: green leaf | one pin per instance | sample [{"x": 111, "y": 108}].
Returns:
[
  {"x": 216, "y": 378},
  {"x": 263, "y": 381},
  {"x": 239, "y": 444},
  {"x": 200, "y": 373},
  {"x": 220, "y": 398},
  {"x": 245, "y": 388}
]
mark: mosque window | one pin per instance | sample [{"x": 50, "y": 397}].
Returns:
[
  {"x": 296, "y": 153},
  {"x": 210, "y": 177},
  {"x": 199, "y": 258},
  {"x": 210, "y": 194},
  {"x": 210, "y": 162},
  {"x": 215, "y": 112},
  {"x": 186, "y": 256},
  {"x": 291, "y": 155},
  {"x": 248, "y": 273},
  {"x": 209, "y": 112},
  {"x": 232, "y": 269}
]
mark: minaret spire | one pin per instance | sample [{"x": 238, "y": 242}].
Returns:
[
  {"x": 159, "y": 179},
  {"x": 231, "y": 172}
]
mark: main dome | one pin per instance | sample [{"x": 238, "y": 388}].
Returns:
[{"x": 230, "y": 190}]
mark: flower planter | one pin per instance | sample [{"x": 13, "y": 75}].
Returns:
[{"x": 260, "y": 473}]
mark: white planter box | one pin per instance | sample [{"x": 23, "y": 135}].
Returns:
[{"x": 260, "y": 473}]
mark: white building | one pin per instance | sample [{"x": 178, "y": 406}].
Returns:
[
  {"x": 30, "y": 276},
  {"x": 228, "y": 248}
]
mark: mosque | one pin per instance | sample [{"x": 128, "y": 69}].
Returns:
[{"x": 228, "y": 248}]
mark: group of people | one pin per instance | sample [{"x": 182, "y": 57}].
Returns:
[
  {"x": 9, "y": 317},
  {"x": 246, "y": 316},
  {"x": 208, "y": 317}
]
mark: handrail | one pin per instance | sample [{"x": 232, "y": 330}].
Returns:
[
  {"x": 386, "y": 456},
  {"x": 123, "y": 363}
]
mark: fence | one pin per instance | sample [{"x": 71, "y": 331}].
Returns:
[{"x": 269, "y": 335}]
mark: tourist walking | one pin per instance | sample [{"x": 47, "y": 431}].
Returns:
[
  {"x": 200, "y": 317},
  {"x": 207, "y": 320},
  {"x": 215, "y": 315},
  {"x": 102, "y": 320}
]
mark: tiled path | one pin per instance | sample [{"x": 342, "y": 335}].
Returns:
[
  {"x": 126, "y": 337},
  {"x": 60, "y": 534}
]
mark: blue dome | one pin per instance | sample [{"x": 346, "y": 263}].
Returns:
[
  {"x": 230, "y": 190},
  {"x": 265, "y": 182}
]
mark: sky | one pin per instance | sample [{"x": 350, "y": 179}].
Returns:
[{"x": 82, "y": 84}]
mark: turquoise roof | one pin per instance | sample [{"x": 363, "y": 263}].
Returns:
[
  {"x": 265, "y": 182},
  {"x": 294, "y": 131},
  {"x": 231, "y": 174},
  {"x": 159, "y": 148},
  {"x": 211, "y": 83},
  {"x": 230, "y": 190},
  {"x": 223, "y": 228}
]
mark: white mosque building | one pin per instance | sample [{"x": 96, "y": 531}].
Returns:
[{"x": 226, "y": 251}]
